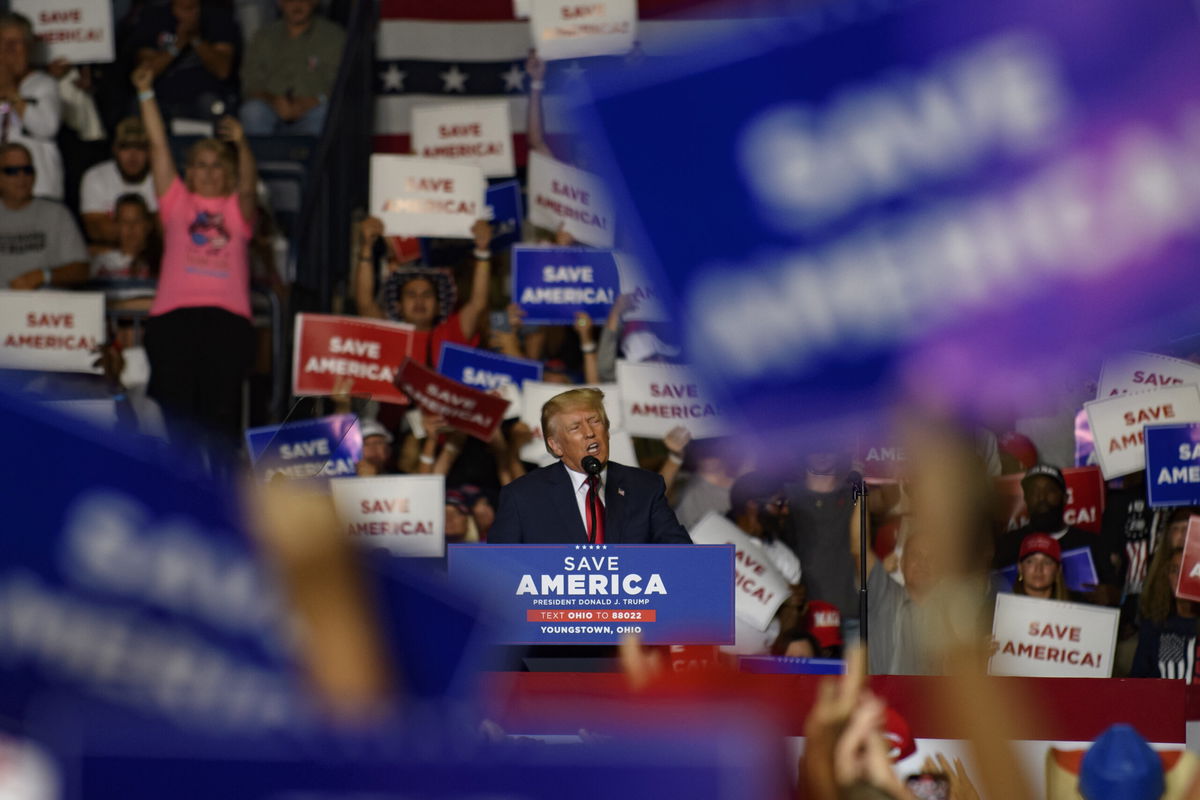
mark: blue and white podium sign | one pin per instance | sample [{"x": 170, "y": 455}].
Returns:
[
  {"x": 1173, "y": 464},
  {"x": 846, "y": 203},
  {"x": 595, "y": 594},
  {"x": 323, "y": 447},
  {"x": 504, "y": 203},
  {"x": 786, "y": 665},
  {"x": 553, "y": 283},
  {"x": 483, "y": 369}
]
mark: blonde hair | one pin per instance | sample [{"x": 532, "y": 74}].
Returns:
[
  {"x": 574, "y": 398},
  {"x": 1158, "y": 595},
  {"x": 223, "y": 152}
]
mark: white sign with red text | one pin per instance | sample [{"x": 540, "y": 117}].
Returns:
[
  {"x": 329, "y": 349},
  {"x": 467, "y": 133},
  {"x": 404, "y": 514},
  {"x": 1117, "y": 424},
  {"x": 80, "y": 31},
  {"x": 759, "y": 588},
  {"x": 562, "y": 196},
  {"x": 581, "y": 29},
  {"x": 1142, "y": 372},
  {"x": 1051, "y": 639},
  {"x": 426, "y": 196},
  {"x": 51, "y": 331},
  {"x": 534, "y": 395},
  {"x": 645, "y": 305},
  {"x": 658, "y": 397}
]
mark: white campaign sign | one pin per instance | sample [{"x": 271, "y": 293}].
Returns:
[
  {"x": 81, "y": 31},
  {"x": 1141, "y": 372},
  {"x": 51, "y": 331},
  {"x": 466, "y": 133},
  {"x": 405, "y": 514},
  {"x": 759, "y": 588},
  {"x": 1117, "y": 424},
  {"x": 534, "y": 395},
  {"x": 521, "y": 9},
  {"x": 658, "y": 397},
  {"x": 425, "y": 196},
  {"x": 1050, "y": 639},
  {"x": 562, "y": 196},
  {"x": 578, "y": 30}
]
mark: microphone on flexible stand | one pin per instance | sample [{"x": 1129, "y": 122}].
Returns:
[
  {"x": 591, "y": 465},
  {"x": 859, "y": 487}
]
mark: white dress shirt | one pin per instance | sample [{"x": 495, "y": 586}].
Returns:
[{"x": 580, "y": 481}]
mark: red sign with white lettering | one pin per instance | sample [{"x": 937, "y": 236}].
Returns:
[
  {"x": 330, "y": 348},
  {"x": 1085, "y": 499},
  {"x": 1188, "y": 584},
  {"x": 464, "y": 408}
]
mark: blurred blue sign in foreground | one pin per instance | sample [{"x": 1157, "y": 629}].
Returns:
[
  {"x": 952, "y": 199},
  {"x": 323, "y": 447}
]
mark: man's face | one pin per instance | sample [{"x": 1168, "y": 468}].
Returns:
[
  {"x": 132, "y": 161},
  {"x": 419, "y": 303},
  {"x": 297, "y": 12},
  {"x": 578, "y": 432},
  {"x": 14, "y": 51},
  {"x": 133, "y": 228},
  {"x": 773, "y": 515},
  {"x": 376, "y": 451},
  {"x": 187, "y": 12},
  {"x": 919, "y": 564},
  {"x": 1045, "y": 500},
  {"x": 16, "y": 178},
  {"x": 821, "y": 463}
]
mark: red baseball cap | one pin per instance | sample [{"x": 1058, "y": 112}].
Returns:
[
  {"x": 824, "y": 622},
  {"x": 1040, "y": 543},
  {"x": 898, "y": 735}
]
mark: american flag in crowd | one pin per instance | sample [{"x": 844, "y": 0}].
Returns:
[{"x": 434, "y": 51}]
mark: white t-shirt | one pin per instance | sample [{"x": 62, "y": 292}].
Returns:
[
  {"x": 38, "y": 130},
  {"x": 103, "y": 184}
]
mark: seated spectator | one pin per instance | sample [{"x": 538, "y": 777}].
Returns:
[
  {"x": 192, "y": 49},
  {"x": 128, "y": 171},
  {"x": 139, "y": 247},
  {"x": 40, "y": 245},
  {"x": 1167, "y": 640},
  {"x": 30, "y": 109},
  {"x": 289, "y": 71},
  {"x": 1039, "y": 568}
]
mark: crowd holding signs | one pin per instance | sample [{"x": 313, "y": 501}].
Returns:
[{"x": 57, "y": 331}]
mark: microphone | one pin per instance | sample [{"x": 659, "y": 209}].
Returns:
[
  {"x": 591, "y": 465},
  {"x": 854, "y": 478}
]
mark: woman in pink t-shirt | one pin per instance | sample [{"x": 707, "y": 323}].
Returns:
[{"x": 199, "y": 338}]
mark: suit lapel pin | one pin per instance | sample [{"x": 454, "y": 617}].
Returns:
[{"x": 621, "y": 492}]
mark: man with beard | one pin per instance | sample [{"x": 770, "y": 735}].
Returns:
[
  {"x": 1046, "y": 499},
  {"x": 127, "y": 172}
]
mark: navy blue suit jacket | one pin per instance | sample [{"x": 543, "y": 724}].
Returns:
[{"x": 540, "y": 508}]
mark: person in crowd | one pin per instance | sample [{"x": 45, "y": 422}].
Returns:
[
  {"x": 482, "y": 503},
  {"x": 30, "y": 108},
  {"x": 198, "y": 335},
  {"x": 460, "y": 525},
  {"x": 563, "y": 502},
  {"x": 1167, "y": 639},
  {"x": 40, "y": 245},
  {"x": 423, "y": 297},
  {"x": 1039, "y": 568},
  {"x": 138, "y": 251},
  {"x": 289, "y": 71},
  {"x": 1046, "y": 499},
  {"x": 377, "y": 456},
  {"x": 127, "y": 172},
  {"x": 819, "y": 634},
  {"x": 717, "y": 465},
  {"x": 192, "y": 51}
]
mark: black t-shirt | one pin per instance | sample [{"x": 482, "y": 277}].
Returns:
[
  {"x": 818, "y": 532},
  {"x": 1008, "y": 548},
  {"x": 186, "y": 81},
  {"x": 1126, "y": 531}
]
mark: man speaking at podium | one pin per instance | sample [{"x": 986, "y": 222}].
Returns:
[{"x": 585, "y": 498}]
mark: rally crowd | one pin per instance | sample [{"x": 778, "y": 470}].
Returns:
[{"x": 184, "y": 249}]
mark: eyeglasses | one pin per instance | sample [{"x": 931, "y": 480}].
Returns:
[{"x": 25, "y": 169}]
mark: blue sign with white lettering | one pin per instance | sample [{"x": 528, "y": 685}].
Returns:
[
  {"x": 850, "y": 200},
  {"x": 326, "y": 447},
  {"x": 595, "y": 594},
  {"x": 553, "y": 283},
  {"x": 485, "y": 370},
  {"x": 787, "y": 665},
  {"x": 1173, "y": 464},
  {"x": 504, "y": 202}
]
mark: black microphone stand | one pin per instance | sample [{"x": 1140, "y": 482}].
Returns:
[{"x": 860, "y": 499}]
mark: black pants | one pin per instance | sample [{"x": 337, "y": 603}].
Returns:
[{"x": 198, "y": 360}]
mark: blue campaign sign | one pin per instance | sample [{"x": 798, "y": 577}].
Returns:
[
  {"x": 849, "y": 201},
  {"x": 786, "y": 665},
  {"x": 553, "y": 283},
  {"x": 486, "y": 370},
  {"x": 323, "y": 447},
  {"x": 504, "y": 202},
  {"x": 595, "y": 594},
  {"x": 1173, "y": 464}
]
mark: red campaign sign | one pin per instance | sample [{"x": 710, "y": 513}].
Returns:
[
  {"x": 1085, "y": 499},
  {"x": 467, "y": 409},
  {"x": 406, "y": 248},
  {"x": 1188, "y": 584},
  {"x": 370, "y": 352}
]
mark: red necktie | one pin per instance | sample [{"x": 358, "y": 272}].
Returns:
[{"x": 595, "y": 511}]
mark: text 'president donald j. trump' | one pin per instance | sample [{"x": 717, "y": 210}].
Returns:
[{"x": 584, "y": 497}]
